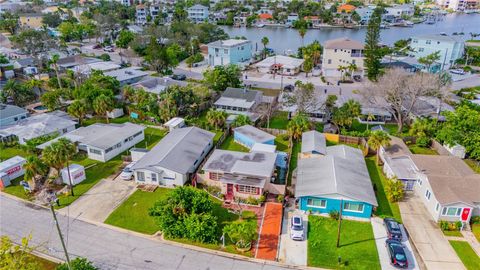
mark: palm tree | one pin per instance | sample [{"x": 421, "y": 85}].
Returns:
[
  {"x": 265, "y": 41},
  {"x": 370, "y": 117},
  {"x": 352, "y": 68},
  {"x": 241, "y": 120},
  {"x": 298, "y": 125},
  {"x": 73, "y": 78},
  {"x": 316, "y": 50},
  {"x": 57, "y": 154},
  {"x": 302, "y": 31},
  {"x": 11, "y": 89},
  {"x": 216, "y": 118},
  {"x": 102, "y": 105},
  {"x": 78, "y": 109},
  {"x": 33, "y": 167},
  {"x": 342, "y": 70},
  {"x": 377, "y": 140},
  {"x": 53, "y": 62},
  {"x": 353, "y": 107}
]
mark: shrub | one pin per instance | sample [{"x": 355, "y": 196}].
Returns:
[
  {"x": 423, "y": 141},
  {"x": 251, "y": 200},
  {"x": 280, "y": 198},
  {"x": 394, "y": 190},
  {"x": 443, "y": 225},
  {"x": 105, "y": 57},
  {"x": 78, "y": 264},
  {"x": 334, "y": 214},
  {"x": 284, "y": 137},
  {"x": 242, "y": 233},
  {"x": 475, "y": 220},
  {"x": 458, "y": 224},
  {"x": 262, "y": 199}
]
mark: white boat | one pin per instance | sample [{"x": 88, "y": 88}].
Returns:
[{"x": 260, "y": 25}]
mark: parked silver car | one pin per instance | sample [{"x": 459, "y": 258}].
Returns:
[{"x": 296, "y": 228}]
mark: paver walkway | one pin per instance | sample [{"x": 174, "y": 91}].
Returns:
[{"x": 270, "y": 232}]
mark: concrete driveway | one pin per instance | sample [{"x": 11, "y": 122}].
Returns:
[
  {"x": 434, "y": 249},
  {"x": 293, "y": 252},
  {"x": 381, "y": 236},
  {"x": 97, "y": 203}
]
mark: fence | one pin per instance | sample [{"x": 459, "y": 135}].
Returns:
[{"x": 274, "y": 131}]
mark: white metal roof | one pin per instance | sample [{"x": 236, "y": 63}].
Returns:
[{"x": 10, "y": 162}]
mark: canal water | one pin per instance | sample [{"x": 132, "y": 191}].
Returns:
[{"x": 283, "y": 39}]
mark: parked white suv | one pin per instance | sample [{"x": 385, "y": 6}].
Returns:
[
  {"x": 296, "y": 228},
  {"x": 127, "y": 172}
]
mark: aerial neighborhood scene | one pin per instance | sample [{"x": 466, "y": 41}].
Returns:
[{"x": 239, "y": 134}]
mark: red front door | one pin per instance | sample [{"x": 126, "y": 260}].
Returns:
[{"x": 465, "y": 214}]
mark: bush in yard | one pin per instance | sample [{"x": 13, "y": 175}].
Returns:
[
  {"x": 186, "y": 207},
  {"x": 334, "y": 214},
  {"x": 78, "y": 264},
  {"x": 423, "y": 142},
  {"x": 262, "y": 199},
  {"x": 475, "y": 220},
  {"x": 394, "y": 190},
  {"x": 251, "y": 200},
  {"x": 280, "y": 198},
  {"x": 443, "y": 225},
  {"x": 242, "y": 233}
]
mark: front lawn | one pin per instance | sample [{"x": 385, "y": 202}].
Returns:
[
  {"x": 357, "y": 244},
  {"x": 230, "y": 144},
  {"x": 385, "y": 208},
  {"x": 415, "y": 149},
  {"x": 16, "y": 189},
  {"x": 279, "y": 120},
  {"x": 132, "y": 214},
  {"x": 9, "y": 152},
  {"x": 452, "y": 233},
  {"x": 281, "y": 141},
  {"x": 152, "y": 137},
  {"x": 96, "y": 119},
  {"x": 476, "y": 231},
  {"x": 466, "y": 254},
  {"x": 297, "y": 146}
]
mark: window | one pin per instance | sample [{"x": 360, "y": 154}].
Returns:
[
  {"x": 353, "y": 207},
  {"x": 15, "y": 119},
  {"x": 335, "y": 50},
  {"x": 318, "y": 203},
  {"x": 247, "y": 189},
  {"x": 215, "y": 176},
  {"x": 140, "y": 176},
  {"x": 451, "y": 211},
  {"x": 420, "y": 49},
  {"x": 95, "y": 151},
  {"x": 428, "y": 194},
  {"x": 154, "y": 177},
  {"x": 225, "y": 51},
  {"x": 436, "y": 207},
  {"x": 137, "y": 134},
  {"x": 428, "y": 42},
  {"x": 64, "y": 130},
  {"x": 329, "y": 61}
]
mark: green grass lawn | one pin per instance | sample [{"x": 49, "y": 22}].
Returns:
[
  {"x": 132, "y": 214},
  {"x": 385, "y": 208},
  {"x": 230, "y": 144},
  {"x": 279, "y": 120},
  {"x": 293, "y": 160},
  {"x": 218, "y": 134},
  {"x": 9, "y": 152},
  {"x": 119, "y": 120},
  {"x": 282, "y": 143},
  {"x": 475, "y": 165},
  {"x": 476, "y": 231},
  {"x": 466, "y": 254},
  {"x": 152, "y": 137},
  {"x": 415, "y": 149},
  {"x": 16, "y": 189},
  {"x": 45, "y": 264},
  {"x": 453, "y": 233},
  {"x": 357, "y": 244}
]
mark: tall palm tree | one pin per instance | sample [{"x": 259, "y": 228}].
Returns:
[
  {"x": 342, "y": 70},
  {"x": 102, "y": 105},
  {"x": 216, "y": 118},
  {"x": 78, "y": 109},
  {"x": 73, "y": 78},
  {"x": 376, "y": 140},
  {"x": 370, "y": 117},
  {"x": 11, "y": 89},
  {"x": 54, "y": 63},
  {"x": 57, "y": 154},
  {"x": 241, "y": 120},
  {"x": 33, "y": 167},
  {"x": 298, "y": 125},
  {"x": 352, "y": 68},
  {"x": 265, "y": 41},
  {"x": 302, "y": 31},
  {"x": 353, "y": 107}
]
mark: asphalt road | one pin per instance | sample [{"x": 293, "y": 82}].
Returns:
[{"x": 108, "y": 248}]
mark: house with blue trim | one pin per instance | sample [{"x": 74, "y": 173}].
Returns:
[
  {"x": 336, "y": 181},
  {"x": 248, "y": 135}
]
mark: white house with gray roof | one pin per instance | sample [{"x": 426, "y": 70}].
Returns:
[
  {"x": 172, "y": 161},
  {"x": 156, "y": 85},
  {"x": 11, "y": 114},
  {"x": 103, "y": 142},
  {"x": 314, "y": 144},
  {"x": 127, "y": 75},
  {"x": 198, "y": 13},
  {"x": 239, "y": 101}
]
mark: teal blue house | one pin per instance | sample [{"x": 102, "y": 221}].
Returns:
[
  {"x": 336, "y": 181},
  {"x": 231, "y": 51}
]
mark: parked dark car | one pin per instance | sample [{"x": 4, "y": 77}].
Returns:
[
  {"x": 393, "y": 229},
  {"x": 398, "y": 257},
  {"x": 289, "y": 88},
  {"x": 179, "y": 77}
]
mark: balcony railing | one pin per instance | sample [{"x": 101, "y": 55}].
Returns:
[{"x": 356, "y": 54}]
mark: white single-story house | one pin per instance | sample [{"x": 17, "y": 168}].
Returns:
[
  {"x": 314, "y": 144},
  {"x": 157, "y": 85},
  {"x": 175, "y": 158},
  {"x": 174, "y": 123},
  {"x": 128, "y": 75},
  {"x": 280, "y": 64},
  {"x": 249, "y": 135},
  {"x": 238, "y": 100},
  {"x": 11, "y": 114},
  {"x": 103, "y": 66},
  {"x": 37, "y": 126},
  {"x": 75, "y": 60},
  {"x": 103, "y": 142}
]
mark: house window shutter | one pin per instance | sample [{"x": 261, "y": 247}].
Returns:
[
  {"x": 258, "y": 190},
  {"x": 236, "y": 188}
]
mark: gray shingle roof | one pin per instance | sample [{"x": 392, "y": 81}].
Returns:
[
  {"x": 254, "y": 133},
  {"x": 343, "y": 171},
  {"x": 239, "y": 93},
  {"x": 314, "y": 142},
  {"x": 7, "y": 111},
  {"x": 177, "y": 151},
  {"x": 71, "y": 61},
  {"x": 157, "y": 85}
]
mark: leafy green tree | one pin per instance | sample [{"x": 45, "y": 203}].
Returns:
[
  {"x": 51, "y": 100},
  {"x": 377, "y": 140},
  {"x": 58, "y": 153},
  {"x": 33, "y": 168},
  {"x": 216, "y": 118},
  {"x": 124, "y": 39},
  {"x": 34, "y": 42},
  {"x": 102, "y": 105},
  {"x": 394, "y": 190},
  {"x": 429, "y": 60},
  {"x": 302, "y": 31},
  {"x": 372, "y": 39},
  {"x": 242, "y": 233},
  {"x": 78, "y": 109},
  {"x": 52, "y": 19},
  {"x": 9, "y": 22},
  {"x": 78, "y": 264},
  {"x": 4, "y": 59},
  {"x": 167, "y": 109},
  {"x": 307, "y": 63},
  {"x": 187, "y": 213},
  {"x": 298, "y": 125},
  {"x": 221, "y": 77},
  {"x": 241, "y": 120},
  {"x": 14, "y": 256},
  {"x": 20, "y": 93},
  {"x": 160, "y": 56}
]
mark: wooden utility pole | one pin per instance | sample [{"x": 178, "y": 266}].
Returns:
[{"x": 339, "y": 223}]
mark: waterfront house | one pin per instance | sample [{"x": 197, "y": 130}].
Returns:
[
  {"x": 198, "y": 13},
  {"x": 239, "y": 101},
  {"x": 11, "y": 114},
  {"x": 450, "y": 48},
  {"x": 457, "y": 5},
  {"x": 280, "y": 64},
  {"x": 141, "y": 13},
  {"x": 231, "y": 51},
  {"x": 291, "y": 18},
  {"x": 37, "y": 126},
  {"x": 248, "y": 136},
  {"x": 342, "y": 52},
  {"x": 337, "y": 181},
  {"x": 103, "y": 142},
  {"x": 239, "y": 174},
  {"x": 312, "y": 20},
  {"x": 365, "y": 13},
  {"x": 264, "y": 18},
  {"x": 346, "y": 8},
  {"x": 175, "y": 158},
  {"x": 400, "y": 11}
]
